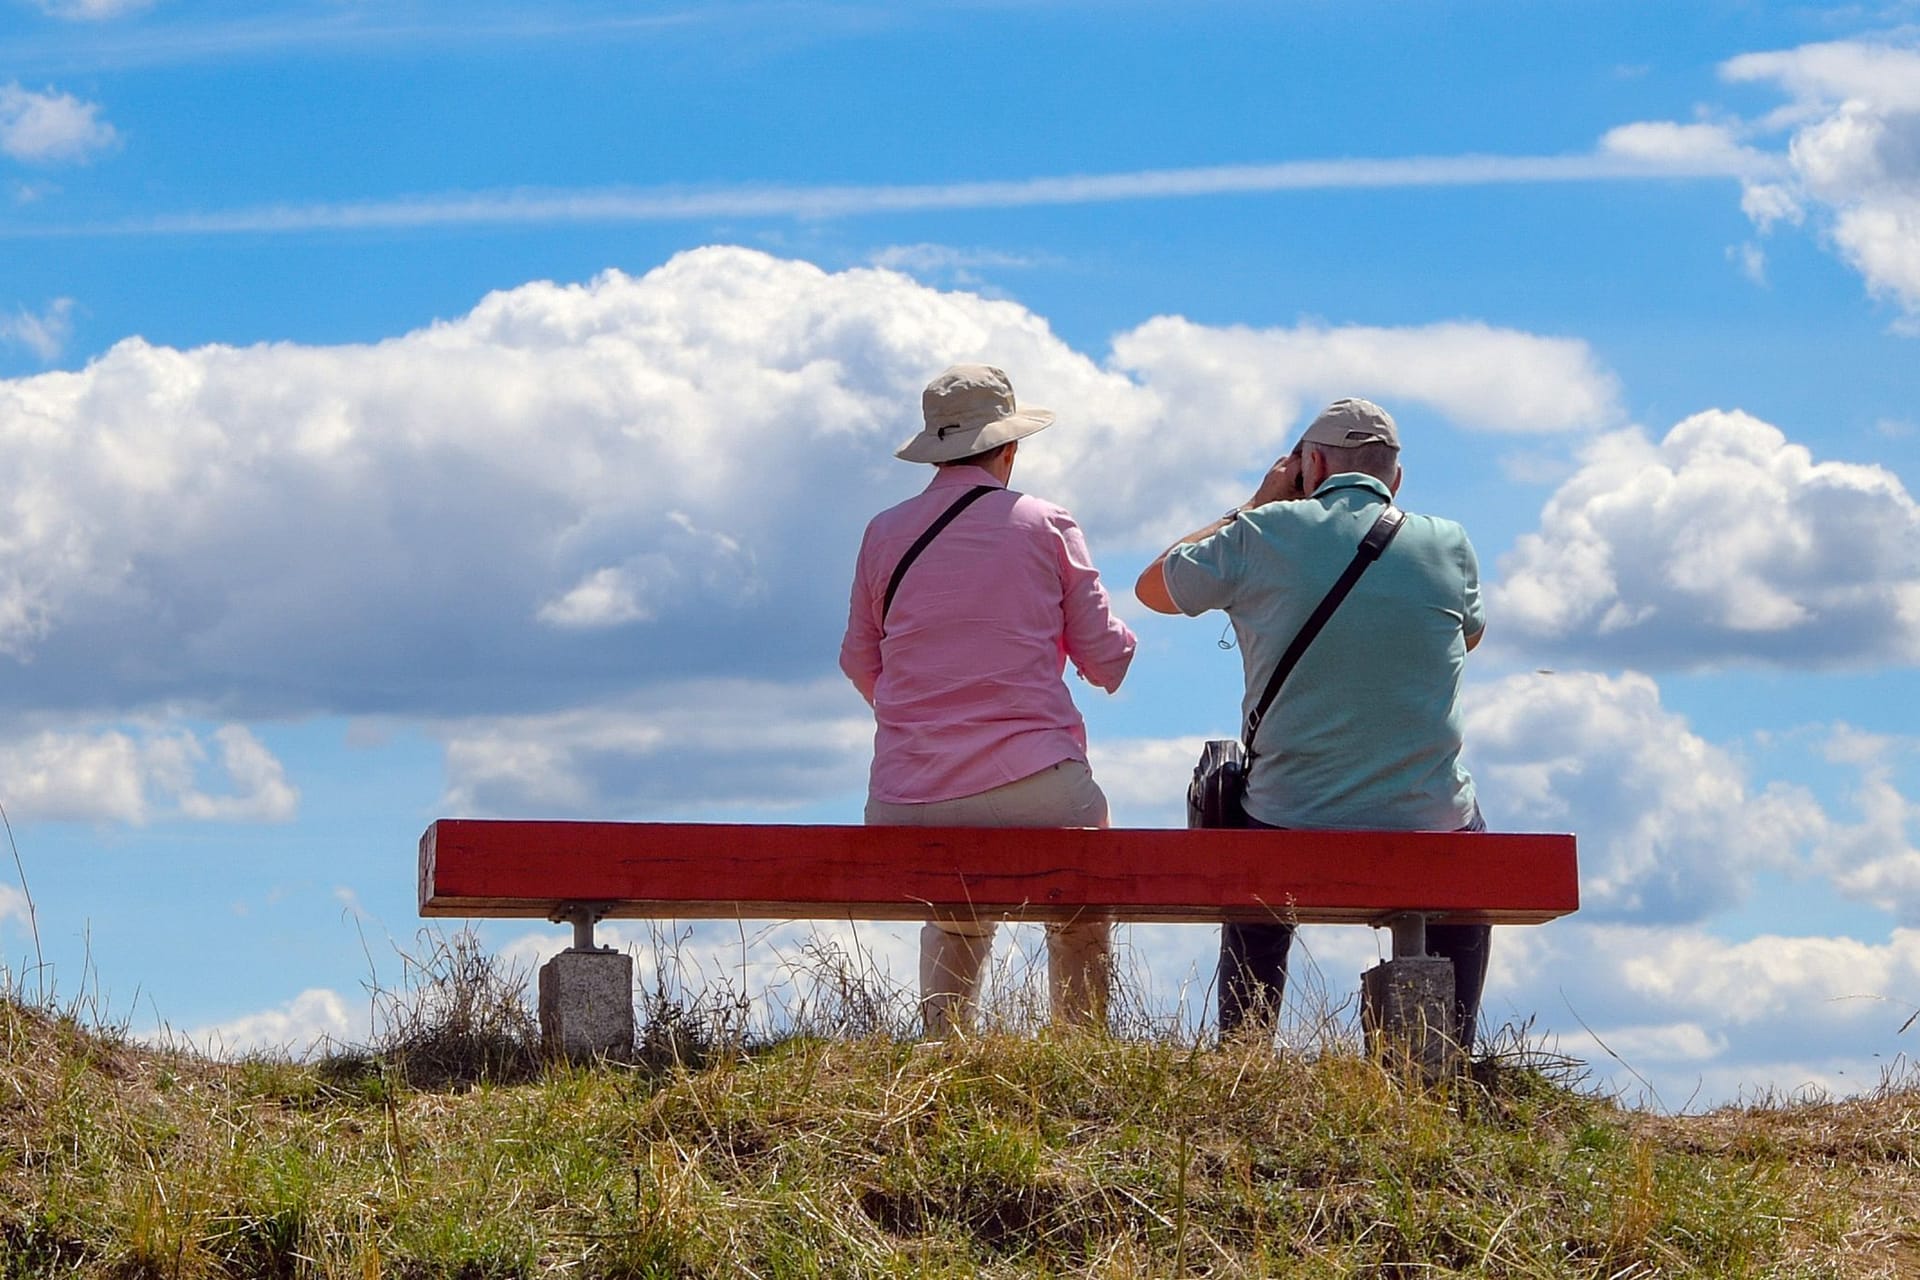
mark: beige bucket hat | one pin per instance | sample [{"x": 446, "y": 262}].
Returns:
[{"x": 969, "y": 409}]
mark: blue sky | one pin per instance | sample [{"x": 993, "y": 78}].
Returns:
[{"x": 413, "y": 410}]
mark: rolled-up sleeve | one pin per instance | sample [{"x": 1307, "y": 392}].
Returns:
[
  {"x": 1206, "y": 574},
  {"x": 1100, "y": 645},
  {"x": 860, "y": 647}
]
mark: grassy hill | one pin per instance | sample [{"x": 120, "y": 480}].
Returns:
[{"x": 453, "y": 1152}]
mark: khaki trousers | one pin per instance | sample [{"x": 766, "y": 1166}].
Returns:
[{"x": 953, "y": 953}]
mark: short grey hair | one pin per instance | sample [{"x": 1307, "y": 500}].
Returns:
[
  {"x": 1381, "y": 461},
  {"x": 981, "y": 459}
]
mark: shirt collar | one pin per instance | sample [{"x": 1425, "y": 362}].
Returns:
[
  {"x": 1354, "y": 480},
  {"x": 955, "y": 477}
]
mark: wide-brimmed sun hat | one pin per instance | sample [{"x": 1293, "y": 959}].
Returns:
[{"x": 969, "y": 409}]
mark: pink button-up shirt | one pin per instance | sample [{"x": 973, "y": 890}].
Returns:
[{"x": 966, "y": 681}]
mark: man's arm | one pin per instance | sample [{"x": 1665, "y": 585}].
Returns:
[{"x": 1281, "y": 482}]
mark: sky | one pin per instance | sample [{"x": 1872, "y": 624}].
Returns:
[{"x": 418, "y": 410}]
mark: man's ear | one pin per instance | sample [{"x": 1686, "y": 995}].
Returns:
[{"x": 1394, "y": 488}]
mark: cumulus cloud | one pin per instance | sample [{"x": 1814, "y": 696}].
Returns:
[
  {"x": 1875, "y": 860},
  {"x": 1701, "y": 1017},
  {"x": 696, "y": 747},
  {"x": 315, "y": 1016},
  {"x": 45, "y": 333},
  {"x": 142, "y": 774},
  {"x": 573, "y": 490},
  {"x": 1145, "y": 779},
  {"x": 1671, "y": 827},
  {"x": 1721, "y": 542},
  {"x": 51, "y": 127},
  {"x": 1853, "y": 154}
]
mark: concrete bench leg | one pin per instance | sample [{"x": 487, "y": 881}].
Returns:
[
  {"x": 586, "y": 997},
  {"x": 1406, "y": 1005},
  {"x": 586, "y": 1005}
]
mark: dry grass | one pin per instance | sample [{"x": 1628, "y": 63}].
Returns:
[
  {"x": 1002, "y": 1156},
  {"x": 841, "y": 1148}
]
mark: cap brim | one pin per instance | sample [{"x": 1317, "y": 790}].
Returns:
[{"x": 929, "y": 447}]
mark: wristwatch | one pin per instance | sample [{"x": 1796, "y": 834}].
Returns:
[{"x": 1231, "y": 514}]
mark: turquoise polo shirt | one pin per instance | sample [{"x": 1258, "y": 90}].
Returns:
[{"x": 1366, "y": 731}]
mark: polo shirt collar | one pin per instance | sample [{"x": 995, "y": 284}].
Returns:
[
  {"x": 1354, "y": 480},
  {"x": 956, "y": 477}
]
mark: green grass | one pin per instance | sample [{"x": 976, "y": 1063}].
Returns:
[{"x": 1006, "y": 1155}]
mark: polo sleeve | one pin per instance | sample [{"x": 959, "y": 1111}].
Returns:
[
  {"x": 1473, "y": 614},
  {"x": 1206, "y": 574}
]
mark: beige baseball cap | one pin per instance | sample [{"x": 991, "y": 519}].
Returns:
[
  {"x": 969, "y": 409},
  {"x": 1346, "y": 423}
]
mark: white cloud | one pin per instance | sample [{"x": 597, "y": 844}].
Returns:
[
  {"x": 92, "y": 10},
  {"x": 51, "y": 127},
  {"x": 1641, "y": 154},
  {"x": 1686, "y": 148},
  {"x": 1769, "y": 203},
  {"x": 141, "y": 774},
  {"x": 1854, "y": 154},
  {"x": 1875, "y": 860},
  {"x": 14, "y": 905},
  {"x": 686, "y": 748},
  {"x": 44, "y": 333},
  {"x": 1825, "y": 75},
  {"x": 945, "y": 262},
  {"x": 1722, "y": 542},
  {"x": 1670, "y": 826},
  {"x": 604, "y": 598},
  {"x": 1483, "y": 378},
  {"x": 1145, "y": 779},
  {"x": 261, "y": 792},
  {"x": 1705, "y": 1021},
  {"x": 574, "y": 490},
  {"x": 1751, "y": 259},
  {"x": 314, "y": 1016}
]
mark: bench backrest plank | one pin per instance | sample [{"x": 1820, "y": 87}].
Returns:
[{"x": 472, "y": 867}]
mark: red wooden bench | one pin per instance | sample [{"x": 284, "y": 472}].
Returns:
[{"x": 587, "y": 871}]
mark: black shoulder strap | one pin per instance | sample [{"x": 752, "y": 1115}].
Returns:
[
  {"x": 1369, "y": 550},
  {"x": 967, "y": 499}
]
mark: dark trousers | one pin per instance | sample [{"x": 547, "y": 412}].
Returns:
[{"x": 1253, "y": 968}]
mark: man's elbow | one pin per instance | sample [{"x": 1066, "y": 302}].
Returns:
[
  {"x": 1473, "y": 641},
  {"x": 1151, "y": 589}
]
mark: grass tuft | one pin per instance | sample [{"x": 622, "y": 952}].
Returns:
[{"x": 839, "y": 1146}]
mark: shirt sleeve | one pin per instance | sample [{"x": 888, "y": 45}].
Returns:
[
  {"x": 1206, "y": 574},
  {"x": 1100, "y": 645},
  {"x": 860, "y": 647},
  {"x": 1473, "y": 614}
]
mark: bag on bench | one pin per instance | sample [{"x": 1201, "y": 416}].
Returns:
[{"x": 1215, "y": 797}]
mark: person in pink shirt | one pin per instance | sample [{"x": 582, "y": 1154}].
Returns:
[{"x": 962, "y": 654}]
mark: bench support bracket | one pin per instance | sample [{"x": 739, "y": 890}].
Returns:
[
  {"x": 1409, "y": 934},
  {"x": 582, "y": 916}
]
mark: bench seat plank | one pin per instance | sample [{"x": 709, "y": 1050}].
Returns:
[{"x": 473, "y": 867}]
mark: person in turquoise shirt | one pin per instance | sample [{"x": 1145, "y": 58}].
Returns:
[{"x": 1365, "y": 734}]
